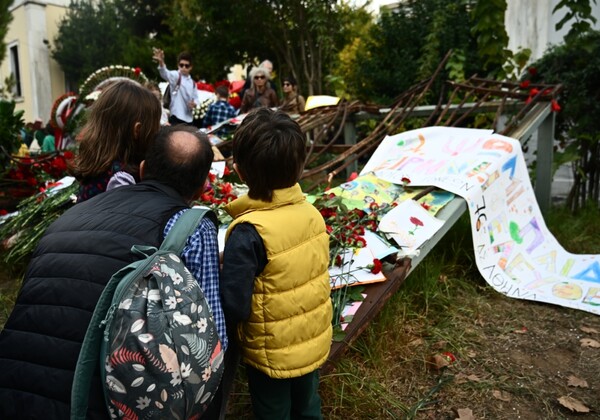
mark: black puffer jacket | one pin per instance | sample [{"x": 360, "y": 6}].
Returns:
[{"x": 74, "y": 260}]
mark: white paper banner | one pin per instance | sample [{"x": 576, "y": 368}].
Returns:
[{"x": 515, "y": 252}]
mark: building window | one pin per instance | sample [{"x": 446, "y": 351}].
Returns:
[{"x": 15, "y": 71}]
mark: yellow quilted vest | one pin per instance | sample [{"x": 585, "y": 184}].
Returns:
[{"x": 289, "y": 330}]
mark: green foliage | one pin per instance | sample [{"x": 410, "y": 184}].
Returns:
[
  {"x": 91, "y": 35},
  {"x": 406, "y": 46},
  {"x": 581, "y": 12},
  {"x": 10, "y": 124},
  {"x": 492, "y": 39},
  {"x": 5, "y": 18},
  {"x": 577, "y": 68}
]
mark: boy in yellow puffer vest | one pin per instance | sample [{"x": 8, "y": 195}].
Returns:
[{"x": 275, "y": 281}]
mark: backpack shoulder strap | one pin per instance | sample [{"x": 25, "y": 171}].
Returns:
[
  {"x": 184, "y": 227},
  {"x": 90, "y": 348}
]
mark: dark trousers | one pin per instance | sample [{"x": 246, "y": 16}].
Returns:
[
  {"x": 284, "y": 399},
  {"x": 173, "y": 120}
]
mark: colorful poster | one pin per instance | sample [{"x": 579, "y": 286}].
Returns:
[
  {"x": 366, "y": 189},
  {"x": 514, "y": 250}
]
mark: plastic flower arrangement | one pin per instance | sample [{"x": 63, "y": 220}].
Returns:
[{"x": 105, "y": 74}]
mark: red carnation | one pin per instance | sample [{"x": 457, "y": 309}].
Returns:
[
  {"x": 532, "y": 71},
  {"x": 554, "y": 105},
  {"x": 338, "y": 260},
  {"x": 352, "y": 176},
  {"x": 524, "y": 84},
  {"x": 449, "y": 357},
  {"x": 137, "y": 71},
  {"x": 405, "y": 181},
  {"x": 376, "y": 266},
  {"x": 360, "y": 241},
  {"x": 534, "y": 92},
  {"x": 3, "y": 212}
]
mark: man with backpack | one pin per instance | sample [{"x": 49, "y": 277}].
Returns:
[
  {"x": 75, "y": 259},
  {"x": 181, "y": 90}
]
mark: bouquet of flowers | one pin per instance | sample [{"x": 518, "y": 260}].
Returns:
[{"x": 199, "y": 111}]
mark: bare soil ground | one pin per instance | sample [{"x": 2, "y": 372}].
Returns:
[{"x": 514, "y": 360}]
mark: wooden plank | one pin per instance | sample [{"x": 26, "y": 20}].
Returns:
[{"x": 379, "y": 293}]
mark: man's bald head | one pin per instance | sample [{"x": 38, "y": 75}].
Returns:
[{"x": 180, "y": 158}]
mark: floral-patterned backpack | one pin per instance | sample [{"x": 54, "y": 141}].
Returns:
[{"x": 157, "y": 345}]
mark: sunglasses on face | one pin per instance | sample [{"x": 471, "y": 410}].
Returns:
[
  {"x": 258, "y": 77},
  {"x": 182, "y": 65}
]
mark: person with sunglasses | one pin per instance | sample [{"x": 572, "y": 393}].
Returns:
[
  {"x": 183, "y": 88},
  {"x": 293, "y": 103},
  {"x": 260, "y": 93}
]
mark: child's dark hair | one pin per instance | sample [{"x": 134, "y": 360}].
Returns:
[
  {"x": 184, "y": 56},
  {"x": 269, "y": 150},
  {"x": 222, "y": 91},
  {"x": 184, "y": 169}
]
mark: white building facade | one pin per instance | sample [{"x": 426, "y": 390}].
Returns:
[{"x": 39, "y": 79}]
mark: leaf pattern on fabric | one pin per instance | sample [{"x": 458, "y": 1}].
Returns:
[
  {"x": 190, "y": 282},
  {"x": 177, "y": 395},
  {"x": 217, "y": 359},
  {"x": 155, "y": 361},
  {"x": 198, "y": 348},
  {"x": 115, "y": 385},
  {"x": 122, "y": 356},
  {"x": 181, "y": 319},
  {"x": 171, "y": 273},
  {"x": 128, "y": 413},
  {"x": 169, "y": 358},
  {"x": 199, "y": 394}
]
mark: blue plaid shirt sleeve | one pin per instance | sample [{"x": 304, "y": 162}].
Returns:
[
  {"x": 217, "y": 112},
  {"x": 201, "y": 256}
]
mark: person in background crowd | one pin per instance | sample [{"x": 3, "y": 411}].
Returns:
[
  {"x": 183, "y": 88},
  {"x": 39, "y": 131},
  {"x": 220, "y": 110},
  {"x": 27, "y": 134},
  {"x": 120, "y": 127},
  {"x": 260, "y": 94},
  {"x": 164, "y": 117},
  {"x": 293, "y": 103},
  {"x": 48, "y": 144}
]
